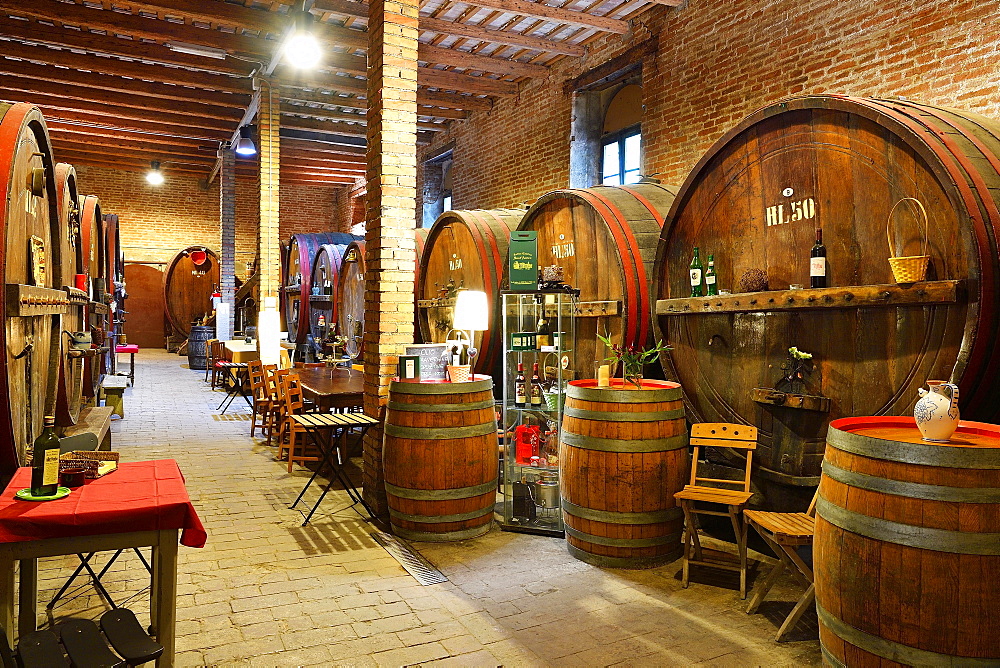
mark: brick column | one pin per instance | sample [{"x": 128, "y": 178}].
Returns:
[
  {"x": 227, "y": 213},
  {"x": 270, "y": 159},
  {"x": 390, "y": 214}
]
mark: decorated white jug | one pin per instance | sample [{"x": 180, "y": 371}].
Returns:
[{"x": 936, "y": 412}]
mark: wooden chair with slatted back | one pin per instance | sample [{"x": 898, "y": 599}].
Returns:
[
  {"x": 262, "y": 408},
  {"x": 216, "y": 356},
  {"x": 733, "y": 494},
  {"x": 292, "y": 405},
  {"x": 275, "y": 393},
  {"x": 786, "y": 533}
]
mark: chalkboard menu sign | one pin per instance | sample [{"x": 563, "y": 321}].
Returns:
[
  {"x": 433, "y": 360},
  {"x": 523, "y": 261}
]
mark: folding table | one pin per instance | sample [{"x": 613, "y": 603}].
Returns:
[{"x": 235, "y": 372}]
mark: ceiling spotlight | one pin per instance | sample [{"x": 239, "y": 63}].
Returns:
[
  {"x": 302, "y": 49},
  {"x": 154, "y": 176},
  {"x": 245, "y": 145}
]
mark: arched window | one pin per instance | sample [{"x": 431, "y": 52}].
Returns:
[{"x": 621, "y": 140}]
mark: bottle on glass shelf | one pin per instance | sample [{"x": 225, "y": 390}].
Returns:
[
  {"x": 45, "y": 461},
  {"x": 711, "y": 282},
  {"x": 543, "y": 332},
  {"x": 520, "y": 387},
  {"x": 817, "y": 263},
  {"x": 696, "y": 275},
  {"x": 536, "y": 387}
]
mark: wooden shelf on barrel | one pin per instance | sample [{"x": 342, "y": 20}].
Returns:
[
  {"x": 29, "y": 300},
  {"x": 847, "y": 297},
  {"x": 322, "y": 299}
]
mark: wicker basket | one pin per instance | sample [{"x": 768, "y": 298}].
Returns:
[
  {"x": 92, "y": 462},
  {"x": 460, "y": 374},
  {"x": 913, "y": 268}
]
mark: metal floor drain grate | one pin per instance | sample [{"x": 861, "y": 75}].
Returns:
[{"x": 422, "y": 570}]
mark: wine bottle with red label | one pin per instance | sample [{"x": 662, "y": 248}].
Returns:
[{"x": 817, "y": 262}]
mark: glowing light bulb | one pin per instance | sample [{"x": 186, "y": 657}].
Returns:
[{"x": 303, "y": 51}]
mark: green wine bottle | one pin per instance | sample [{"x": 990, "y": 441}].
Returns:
[
  {"x": 45, "y": 461},
  {"x": 696, "y": 275},
  {"x": 711, "y": 281}
]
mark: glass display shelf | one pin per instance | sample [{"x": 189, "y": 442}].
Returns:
[{"x": 528, "y": 500}]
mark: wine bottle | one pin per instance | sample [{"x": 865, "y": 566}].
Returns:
[
  {"x": 536, "y": 387},
  {"x": 520, "y": 390},
  {"x": 711, "y": 284},
  {"x": 463, "y": 354},
  {"x": 456, "y": 358},
  {"x": 696, "y": 271},
  {"x": 817, "y": 263},
  {"x": 543, "y": 332},
  {"x": 45, "y": 461}
]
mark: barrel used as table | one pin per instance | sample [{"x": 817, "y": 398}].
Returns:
[
  {"x": 622, "y": 455},
  {"x": 440, "y": 459},
  {"x": 907, "y": 547},
  {"x": 197, "y": 348}
]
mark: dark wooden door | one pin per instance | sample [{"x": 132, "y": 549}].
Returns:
[{"x": 145, "y": 321}]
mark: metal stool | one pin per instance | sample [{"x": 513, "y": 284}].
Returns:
[{"x": 131, "y": 349}]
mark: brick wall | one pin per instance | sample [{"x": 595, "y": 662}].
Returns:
[
  {"x": 157, "y": 222},
  {"x": 718, "y": 61}
]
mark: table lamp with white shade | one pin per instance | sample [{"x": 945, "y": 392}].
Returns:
[{"x": 472, "y": 313}]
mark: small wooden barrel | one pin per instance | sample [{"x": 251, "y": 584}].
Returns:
[
  {"x": 69, "y": 390},
  {"x": 325, "y": 270},
  {"x": 467, "y": 249},
  {"x": 440, "y": 458},
  {"x": 302, "y": 249},
  {"x": 351, "y": 296},
  {"x": 907, "y": 545},
  {"x": 187, "y": 287},
  {"x": 29, "y": 339},
  {"x": 197, "y": 350},
  {"x": 605, "y": 240},
  {"x": 622, "y": 455}
]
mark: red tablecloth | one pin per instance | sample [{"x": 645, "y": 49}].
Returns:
[{"x": 139, "y": 496}]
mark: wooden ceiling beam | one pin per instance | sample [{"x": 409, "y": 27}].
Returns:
[
  {"x": 110, "y": 44},
  {"x": 165, "y": 142},
  {"x": 99, "y": 83},
  {"x": 156, "y": 151},
  {"x": 453, "y": 101},
  {"x": 358, "y": 10},
  {"x": 121, "y": 68},
  {"x": 473, "y": 61},
  {"x": 465, "y": 83},
  {"x": 136, "y": 26},
  {"x": 484, "y": 34},
  {"x": 450, "y": 114},
  {"x": 55, "y": 105},
  {"x": 346, "y": 161},
  {"x": 342, "y": 129},
  {"x": 558, "y": 15},
  {"x": 295, "y": 112},
  {"x": 315, "y": 147},
  {"x": 424, "y": 97},
  {"x": 103, "y": 121}
]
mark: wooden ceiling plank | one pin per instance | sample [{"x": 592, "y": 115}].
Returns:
[
  {"x": 453, "y": 101},
  {"x": 465, "y": 83},
  {"x": 554, "y": 14},
  {"x": 25, "y": 89},
  {"x": 305, "y": 145},
  {"x": 439, "y": 56},
  {"x": 119, "y": 143},
  {"x": 121, "y": 68},
  {"x": 146, "y": 125},
  {"x": 343, "y": 129},
  {"x": 509, "y": 38},
  {"x": 172, "y": 141},
  {"x": 103, "y": 82},
  {"x": 294, "y": 111},
  {"x": 34, "y": 31}
]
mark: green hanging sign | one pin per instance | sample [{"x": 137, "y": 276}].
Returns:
[{"x": 522, "y": 261}]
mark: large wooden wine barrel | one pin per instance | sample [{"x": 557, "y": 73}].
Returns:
[
  {"x": 605, "y": 240},
  {"x": 69, "y": 389},
  {"x": 420, "y": 240},
  {"x": 297, "y": 280},
  {"x": 440, "y": 458},
  {"x": 465, "y": 249},
  {"x": 351, "y": 297},
  {"x": 31, "y": 331},
  {"x": 907, "y": 545},
  {"x": 755, "y": 201},
  {"x": 326, "y": 276},
  {"x": 93, "y": 267},
  {"x": 622, "y": 455},
  {"x": 188, "y": 286}
]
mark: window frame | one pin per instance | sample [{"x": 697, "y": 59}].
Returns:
[{"x": 618, "y": 137}]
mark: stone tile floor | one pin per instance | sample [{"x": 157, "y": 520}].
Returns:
[{"x": 266, "y": 591}]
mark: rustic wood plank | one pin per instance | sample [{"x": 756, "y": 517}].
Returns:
[
  {"x": 509, "y": 38},
  {"x": 852, "y": 297},
  {"x": 475, "y": 61},
  {"x": 553, "y": 14}
]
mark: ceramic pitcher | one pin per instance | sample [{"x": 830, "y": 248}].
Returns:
[{"x": 936, "y": 412}]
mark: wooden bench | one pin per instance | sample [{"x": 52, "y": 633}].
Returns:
[
  {"x": 113, "y": 389},
  {"x": 94, "y": 423}
]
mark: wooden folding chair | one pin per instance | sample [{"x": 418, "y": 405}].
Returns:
[
  {"x": 786, "y": 533},
  {"x": 263, "y": 409},
  {"x": 717, "y": 435},
  {"x": 274, "y": 391},
  {"x": 292, "y": 405}
]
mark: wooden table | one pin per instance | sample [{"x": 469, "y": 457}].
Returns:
[
  {"x": 332, "y": 388},
  {"x": 141, "y": 504},
  {"x": 241, "y": 351}
]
